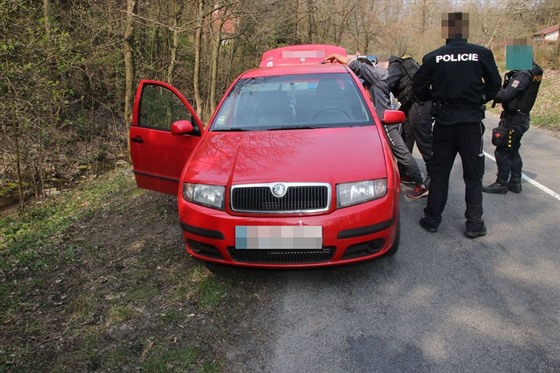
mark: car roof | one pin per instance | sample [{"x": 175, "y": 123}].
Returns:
[
  {"x": 328, "y": 68},
  {"x": 302, "y": 54},
  {"x": 298, "y": 59}
]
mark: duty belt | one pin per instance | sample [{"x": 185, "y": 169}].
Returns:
[
  {"x": 513, "y": 112},
  {"x": 461, "y": 106}
]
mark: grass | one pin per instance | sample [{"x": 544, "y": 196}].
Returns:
[
  {"x": 210, "y": 289},
  {"x": 121, "y": 313},
  {"x": 95, "y": 280},
  {"x": 177, "y": 360},
  {"x": 24, "y": 235},
  {"x": 546, "y": 112}
]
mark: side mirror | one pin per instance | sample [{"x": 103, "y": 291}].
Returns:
[
  {"x": 393, "y": 117},
  {"x": 181, "y": 127}
]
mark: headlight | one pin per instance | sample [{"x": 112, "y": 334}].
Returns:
[
  {"x": 207, "y": 195},
  {"x": 353, "y": 193}
]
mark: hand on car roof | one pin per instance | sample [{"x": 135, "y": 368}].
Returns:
[{"x": 331, "y": 58}]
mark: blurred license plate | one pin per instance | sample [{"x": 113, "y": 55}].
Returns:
[{"x": 279, "y": 237}]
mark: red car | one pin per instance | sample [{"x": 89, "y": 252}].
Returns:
[{"x": 293, "y": 170}]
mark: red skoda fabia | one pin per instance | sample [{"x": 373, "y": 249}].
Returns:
[{"x": 293, "y": 170}]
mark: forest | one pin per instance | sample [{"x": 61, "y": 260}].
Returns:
[{"x": 69, "y": 68}]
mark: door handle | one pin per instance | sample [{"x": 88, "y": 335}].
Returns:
[{"x": 137, "y": 139}]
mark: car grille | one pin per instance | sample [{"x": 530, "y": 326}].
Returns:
[
  {"x": 271, "y": 256},
  {"x": 297, "y": 198}
]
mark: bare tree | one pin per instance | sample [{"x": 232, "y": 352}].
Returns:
[
  {"x": 311, "y": 23},
  {"x": 130, "y": 71},
  {"x": 200, "y": 14},
  {"x": 364, "y": 28},
  {"x": 178, "y": 10}
]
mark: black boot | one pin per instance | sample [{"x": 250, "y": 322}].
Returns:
[
  {"x": 514, "y": 184},
  {"x": 496, "y": 188}
]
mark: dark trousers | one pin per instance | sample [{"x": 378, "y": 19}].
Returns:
[
  {"x": 401, "y": 153},
  {"x": 420, "y": 118},
  {"x": 508, "y": 159},
  {"x": 465, "y": 139},
  {"x": 408, "y": 133}
]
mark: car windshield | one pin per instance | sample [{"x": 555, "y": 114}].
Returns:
[{"x": 293, "y": 102}]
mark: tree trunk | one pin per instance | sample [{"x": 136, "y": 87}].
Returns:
[
  {"x": 216, "y": 40},
  {"x": 129, "y": 68},
  {"x": 424, "y": 17},
  {"x": 174, "y": 45},
  {"x": 173, "y": 57},
  {"x": 197, "y": 53},
  {"x": 310, "y": 21},
  {"x": 18, "y": 169},
  {"x": 47, "y": 17},
  {"x": 496, "y": 27},
  {"x": 557, "y": 7}
]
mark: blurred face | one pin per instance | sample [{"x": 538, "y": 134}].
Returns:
[
  {"x": 455, "y": 25},
  {"x": 519, "y": 55}
]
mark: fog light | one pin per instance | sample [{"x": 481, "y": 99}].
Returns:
[
  {"x": 374, "y": 246},
  {"x": 364, "y": 249}
]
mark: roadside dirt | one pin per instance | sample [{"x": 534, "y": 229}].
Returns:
[{"x": 119, "y": 293}]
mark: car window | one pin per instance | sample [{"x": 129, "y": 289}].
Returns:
[
  {"x": 160, "y": 107},
  {"x": 293, "y": 101}
]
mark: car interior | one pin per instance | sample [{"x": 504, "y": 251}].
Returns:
[{"x": 322, "y": 103}]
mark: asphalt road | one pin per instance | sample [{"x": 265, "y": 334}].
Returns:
[{"x": 443, "y": 303}]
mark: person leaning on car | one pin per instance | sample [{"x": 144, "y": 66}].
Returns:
[
  {"x": 378, "y": 87},
  {"x": 459, "y": 78}
]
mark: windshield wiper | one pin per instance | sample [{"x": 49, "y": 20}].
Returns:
[
  {"x": 232, "y": 129},
  {"x": 300, "y": 127}
]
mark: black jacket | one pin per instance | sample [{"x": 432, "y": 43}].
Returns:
[
  {"x": 519, "y": 81},
  {"x": 459, "y": 77},
  {"x": 508, "y": 96}
]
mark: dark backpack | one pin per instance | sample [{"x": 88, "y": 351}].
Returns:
[
  {"x": 403, "y": 89},
  {"x": 527, "y": 99}
]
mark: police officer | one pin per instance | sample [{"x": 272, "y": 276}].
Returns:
[
  {"x": 459, "y": 78},
  {"x": 517, "y": 96},
  {"x": 378, "y": 87}
]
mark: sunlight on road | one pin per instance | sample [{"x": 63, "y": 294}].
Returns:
[{"x": 541, "y": 272}]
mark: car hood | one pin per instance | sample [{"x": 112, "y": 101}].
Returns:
[{"x": 332, "y": 155}]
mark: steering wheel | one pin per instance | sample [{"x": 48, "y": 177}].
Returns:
[{"x": 331, "y": 112}]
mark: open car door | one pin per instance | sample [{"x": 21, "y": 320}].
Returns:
[{"x": 165, "y": 129}]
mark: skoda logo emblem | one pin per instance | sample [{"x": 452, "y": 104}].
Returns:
[{"x": 279, "y": 190}]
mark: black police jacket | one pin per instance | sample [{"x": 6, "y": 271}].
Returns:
[
  {"x": 518, "y": 82},
  {"x": 459, "y": 77}
]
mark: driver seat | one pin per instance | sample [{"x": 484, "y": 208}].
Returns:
[
  {"x": 274, "y": 109},
  {"x": 330, "y": 102}
]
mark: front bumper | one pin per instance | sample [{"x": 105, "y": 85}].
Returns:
[{"x": 349, "y": 235}]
